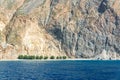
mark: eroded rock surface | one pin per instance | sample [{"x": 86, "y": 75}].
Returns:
[{"x": 76, "y": 28}]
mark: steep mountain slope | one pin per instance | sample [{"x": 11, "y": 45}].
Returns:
[{"x": 76, "y": 28}]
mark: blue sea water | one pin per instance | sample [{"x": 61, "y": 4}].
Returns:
[{"x": 60, "y": 70}]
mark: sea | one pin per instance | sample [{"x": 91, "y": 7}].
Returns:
[{"x": 60, "y": 70}]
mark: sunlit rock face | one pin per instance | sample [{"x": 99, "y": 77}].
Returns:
[{"x": 76, "y": 28}]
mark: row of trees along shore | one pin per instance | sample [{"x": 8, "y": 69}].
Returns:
[{"x": 40, "y": 57}]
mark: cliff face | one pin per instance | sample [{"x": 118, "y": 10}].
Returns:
[{"x": 76, "y": 28}]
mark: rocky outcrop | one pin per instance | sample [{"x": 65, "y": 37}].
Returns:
[{"x": 76, "y": 28}]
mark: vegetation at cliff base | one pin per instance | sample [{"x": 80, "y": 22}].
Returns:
[
  {"x": 64, "y": 57},
  {"x": 20, "y": 57},
  {"x": 52, "y": 57},
  {"x": 40, "y": 57},
  {"x": 46, "y": 57},
  {"x": 37, "y": 57},
  {"x": 26, "y": 57}
]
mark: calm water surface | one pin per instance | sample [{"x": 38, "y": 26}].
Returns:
[{"x": 60, "y": 70}]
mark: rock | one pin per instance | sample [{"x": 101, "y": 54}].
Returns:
[
  {"x": 76, "y": 28},
  {"x": 103, "y": 55}
]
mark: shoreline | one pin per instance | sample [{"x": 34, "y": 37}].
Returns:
[{"x": 80, "y": 59}]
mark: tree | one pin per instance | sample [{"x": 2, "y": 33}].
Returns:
[
  {"x": 52, "y": 57},
  {"x": 46, "y": 57},
  {"x": 57, "y": 57},
  {"x": 64, "y": 57},
  {"x": 41, "y": 57},
  {"x": 25, "y": 57},
  {"x": 20, "y": 57},
  {"x": 37, "y": 57}
]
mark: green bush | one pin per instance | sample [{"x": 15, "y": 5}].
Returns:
[
  {"x": 46, "y": 57},
  {"x": 31, "y": 57},
  {"x": 64, "y": 57},
  {"x": 60, "y": 57},
  {"x": 25, "y": 57},
  {"x": 52, "y": 57},
  {"x": 20, "y": 57},
  {"x": 41, "y": 57},
  {"x": 37, "y": 57},
  {"x": 57, "y": 57}
]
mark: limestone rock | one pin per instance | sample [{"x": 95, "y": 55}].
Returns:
[{"x": 75, "y": 28}]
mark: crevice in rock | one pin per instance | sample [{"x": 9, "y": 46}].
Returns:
[
  {"x": 8, "y": 28},
  {"x": 103, "y": 6}
]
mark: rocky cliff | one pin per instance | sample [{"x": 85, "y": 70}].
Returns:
[{"x": 76, "y": 28}]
